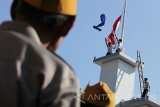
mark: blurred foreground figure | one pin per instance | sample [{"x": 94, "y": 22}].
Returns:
[{"x": 31, "y": 73}]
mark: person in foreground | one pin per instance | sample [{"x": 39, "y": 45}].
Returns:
[{"x": 31, "y": 73}]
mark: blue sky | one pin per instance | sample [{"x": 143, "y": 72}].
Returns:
[{"x": 142, "y": 32}]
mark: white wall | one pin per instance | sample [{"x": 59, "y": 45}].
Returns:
[{"x": 120, "y": 76}]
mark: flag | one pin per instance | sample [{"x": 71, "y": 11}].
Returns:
[
  {"x": 111, "y": 37},
  {"x": 116, "y": 24}
]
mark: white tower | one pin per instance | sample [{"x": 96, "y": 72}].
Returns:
[{"x": 118, "y": 71}]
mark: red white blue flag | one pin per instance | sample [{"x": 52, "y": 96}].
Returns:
[{"x": 111, "y": 37}]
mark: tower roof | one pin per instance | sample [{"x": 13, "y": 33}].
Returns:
[
  {"x": 141, "y": 102},
  {"x": 120, "y": 55}
]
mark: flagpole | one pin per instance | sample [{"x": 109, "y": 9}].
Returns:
[{"x": 123, "y": 23}]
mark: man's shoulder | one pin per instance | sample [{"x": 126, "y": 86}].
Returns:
[{"x": 21, "y": 44}]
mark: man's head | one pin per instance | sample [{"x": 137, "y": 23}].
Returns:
[
  {"x": 145, "y": 79},
  {"x": 52, "y": 19},
  {"x": 109, "y": 43},
  {"x": 120, "y": 40}
]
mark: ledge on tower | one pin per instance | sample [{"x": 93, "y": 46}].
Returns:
[
  {"x": 118, "y": 55},
  {"x": 141, "y": 102}
]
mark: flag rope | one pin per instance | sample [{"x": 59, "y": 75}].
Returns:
[{"x": 123, "y": 22}]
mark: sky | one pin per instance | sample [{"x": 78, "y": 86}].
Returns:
[{"x": 83, "y": 43}]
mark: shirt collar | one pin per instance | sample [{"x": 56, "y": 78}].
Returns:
[{"x": 21, "y": 27}]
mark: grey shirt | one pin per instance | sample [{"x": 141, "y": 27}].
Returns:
[{"x": 31, "y": 76}]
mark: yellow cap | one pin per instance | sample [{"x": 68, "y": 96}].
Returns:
[
  {"x": 67, "y": 7},
  {"x": 92, "y": 95}
]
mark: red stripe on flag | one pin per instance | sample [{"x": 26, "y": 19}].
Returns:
[
  {"x": 111, "y": 37},
  {"x": 116, "y": 24}
]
